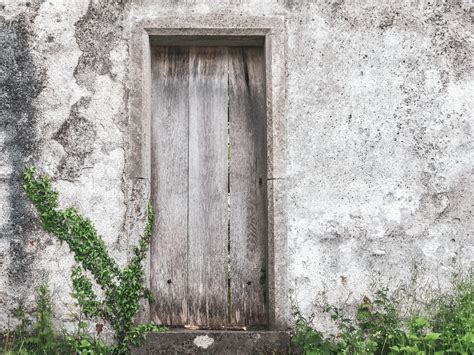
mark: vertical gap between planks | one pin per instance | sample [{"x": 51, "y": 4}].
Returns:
[
  {"x": 187, "y": 213},
  {"x": 229, "y": 216}
]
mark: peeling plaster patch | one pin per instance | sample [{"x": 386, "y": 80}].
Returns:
[
  {"x": 97, "y": 33},
  {"x": 203, "y": 341},
  {"x": 54, "y": 29},
  {"x": 77, "y": 136}
]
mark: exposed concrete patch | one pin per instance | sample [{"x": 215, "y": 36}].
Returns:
[
  {"x": 77, "y": 136},
  {"x": 101, "y": 69},
  {"x": 97, "y": 33},
  {"x": 56, "y": 46}
]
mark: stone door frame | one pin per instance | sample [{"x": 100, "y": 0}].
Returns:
[{"x": 272, "y": 29}]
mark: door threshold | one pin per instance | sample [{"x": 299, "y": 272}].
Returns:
[{"x": 226, "y": 342}]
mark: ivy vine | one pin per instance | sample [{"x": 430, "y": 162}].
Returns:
[{"x": 122, "y": 288}]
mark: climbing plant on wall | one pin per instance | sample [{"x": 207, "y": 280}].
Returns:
[{"x": 122, "y": 288}]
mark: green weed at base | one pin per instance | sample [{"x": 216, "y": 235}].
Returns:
[
  {"x": 38, "y": 336},
  {"x": 379, "y": 329}
]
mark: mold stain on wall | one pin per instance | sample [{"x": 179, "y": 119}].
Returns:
[{"x": 21, "y": 81}]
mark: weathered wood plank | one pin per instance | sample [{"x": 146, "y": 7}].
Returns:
[
  {"x": 207, "y": 245},
  {"x": 169, "y": 167},
  {"x": 248, "y": 232}
]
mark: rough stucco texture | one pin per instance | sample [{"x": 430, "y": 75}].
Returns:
[{"x": 378, "y": 185}]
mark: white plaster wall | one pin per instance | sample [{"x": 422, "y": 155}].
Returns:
[{"x": 378, "y": 185}]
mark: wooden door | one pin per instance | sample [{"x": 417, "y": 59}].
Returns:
[{"x": 208, "y": 254}]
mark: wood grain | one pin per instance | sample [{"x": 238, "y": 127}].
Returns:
[
  {"x": 169, "y": 159},
  {"x": 207, "y": 245},
  {"x": 247, "y": 186},
  {"x": 209, "y": 186}
]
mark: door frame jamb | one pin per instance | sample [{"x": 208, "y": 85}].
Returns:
[{"x": 243, "y": 28}]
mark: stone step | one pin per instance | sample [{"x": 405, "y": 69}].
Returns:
[{"x": 222, "y": 342}]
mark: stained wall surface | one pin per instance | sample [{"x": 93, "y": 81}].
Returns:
[{"x": 378, "y": 186}]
